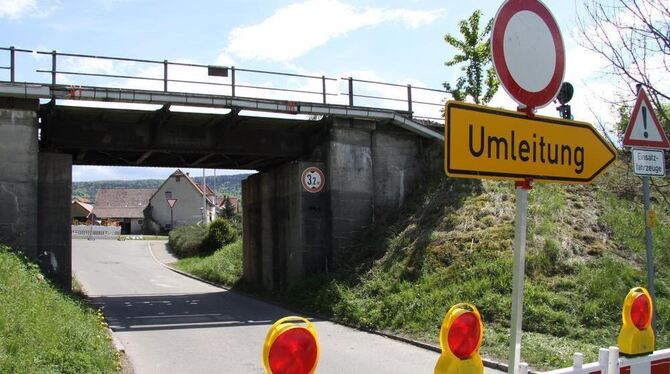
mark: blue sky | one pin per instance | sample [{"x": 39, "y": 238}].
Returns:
[{"x": 390, "y": 41}]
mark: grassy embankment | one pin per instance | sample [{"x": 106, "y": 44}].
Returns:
[
  {"x": 43, "y": 330},
  {"x": 453, "y": 244}
]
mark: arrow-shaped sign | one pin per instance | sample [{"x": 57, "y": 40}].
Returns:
[{"x": 482, "y": 142}]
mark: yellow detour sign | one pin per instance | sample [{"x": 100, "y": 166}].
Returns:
[
  {"x": 291, "y": 347},
  {"x": 460, "y": 338},
  {"x": 482, "y": 142},
  {"x": 636, "y": 336}
]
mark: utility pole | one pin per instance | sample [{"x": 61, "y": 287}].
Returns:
[{"x": 204, "y": 199}]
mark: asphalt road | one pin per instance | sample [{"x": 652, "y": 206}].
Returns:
[{"x": 170, "y": 323}]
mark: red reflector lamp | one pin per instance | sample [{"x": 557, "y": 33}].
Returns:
[
  {"x": 291, "y": 347},
  {"x": 636, "y": 337},
  {"x": 460, "y": 339}
]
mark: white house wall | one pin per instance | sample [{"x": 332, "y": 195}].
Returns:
[{"x": 186, "y": 210}]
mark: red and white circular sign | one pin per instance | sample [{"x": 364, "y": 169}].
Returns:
[
  {"x": 313, "y": 179},
  {"x": 528, "y": 52}
]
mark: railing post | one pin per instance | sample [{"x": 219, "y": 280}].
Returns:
[
  {"x": 232, "y": 81},
  {"x": 603, "y": 359},
  {"x": 613, "y": 361},
  {"x": 165, "y": 75},
  {"x": 577, "y": 361},
  {"x": 409, "y": 99},
  {"x": 323, "y": 86},
  {"x": 351, "y": 91},
  {"x": 523, "y": 368},
  {"x": 53, "y": 67},
  {"x": 12, "y": 64}
]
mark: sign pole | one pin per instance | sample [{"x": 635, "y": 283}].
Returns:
[
  {"x": 650, "y": 247},
  {"x": 520, "y": 225},
  {"x": 171, "y": 219}
]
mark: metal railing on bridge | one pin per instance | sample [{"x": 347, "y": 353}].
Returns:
[{"x": 177, "y": 76}]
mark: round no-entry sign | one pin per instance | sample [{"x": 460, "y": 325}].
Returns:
[{"x": 528, "y": 52}]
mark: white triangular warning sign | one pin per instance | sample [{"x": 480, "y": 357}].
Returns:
[
  {"x": 644, "y": 130},
  {"x": 171, "y": 202}
]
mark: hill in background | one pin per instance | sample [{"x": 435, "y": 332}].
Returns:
[{"x": 229, "y": 185}]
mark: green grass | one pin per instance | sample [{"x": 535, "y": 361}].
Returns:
[
  {"x": 453, "y": 243},
  {"x": 223, "y": 266},
  {"x": 43, "y": 330}
]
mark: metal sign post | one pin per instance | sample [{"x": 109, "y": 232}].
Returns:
[
  {"x": 520, "y": 224},
  {"x": 650, "y": 247},
  {"x": 171, "y": 203}
]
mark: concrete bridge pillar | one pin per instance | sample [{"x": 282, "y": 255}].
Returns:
[
  {"x": 35, "y": 192},
  {"x": 285, "y": 227},
  {"x": 370, "y": 168},
  {"x": 54, "y": 216},
  {"x": 373, "y": 169},
  {"x": 19, "y": 175}
]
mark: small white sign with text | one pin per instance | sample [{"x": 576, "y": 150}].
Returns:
[{"x": 649, "y": 162}]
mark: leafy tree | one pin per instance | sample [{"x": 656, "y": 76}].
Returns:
[
  {"x": 633, "y": 36},
  {"x": 480, "y": 81}
]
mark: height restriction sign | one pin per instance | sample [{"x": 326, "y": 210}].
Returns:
[{"x": 313, "y": 179}]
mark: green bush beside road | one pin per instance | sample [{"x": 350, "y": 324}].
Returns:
[
  {"x": 187, "y": 241},
  {"x": 197, "y": 240},
  {"x": 224, "y": 266},
  {"x": 43, "y": 330}
]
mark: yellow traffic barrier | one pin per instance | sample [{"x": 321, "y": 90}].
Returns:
[
  {"x": 460, "y": 338},
  {"x": 636, "y": 337},
  {"x": 291, "y": 347}
]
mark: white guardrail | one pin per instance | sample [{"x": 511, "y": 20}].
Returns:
[
  {"x": 95, "y": 232},
  {"x": 609, "y": 362}
]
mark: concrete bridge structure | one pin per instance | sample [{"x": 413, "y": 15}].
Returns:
[{"x": 372, "y": 160}]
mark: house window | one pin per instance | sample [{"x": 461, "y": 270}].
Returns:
[
  {"x": 178, "y": 178},
  {"x": 168, "y": 194}
]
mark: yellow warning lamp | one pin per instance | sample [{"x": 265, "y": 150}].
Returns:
[
  {"x": 460, "y": 338},
  {"x": 291, "y": 347},
  {"x": 636, "y": 336}
]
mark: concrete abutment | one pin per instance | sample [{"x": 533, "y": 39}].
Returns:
[
  {"x": 35, "y": 192},
  {"x": 370, "y": 169}
]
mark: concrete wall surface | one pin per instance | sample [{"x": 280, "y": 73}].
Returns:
[
  {"x": 351, "y": 176},
  {"x": 18, "y": 175},
  {"x": 285, "y": 228},
  {"x": 54, "y": 220},
  {"x": 371, "y": 170}
]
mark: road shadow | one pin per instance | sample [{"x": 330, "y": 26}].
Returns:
[{"x": 185, "y": 311}]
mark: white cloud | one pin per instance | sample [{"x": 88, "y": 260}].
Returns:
[
  {"x": 296, "y": 29},
  {"x": 17, "y": 9}
]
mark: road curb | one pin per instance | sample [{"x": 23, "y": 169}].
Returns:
[
  {"x": 487, "y": 362},
  {"x": 116, "y": 342}
]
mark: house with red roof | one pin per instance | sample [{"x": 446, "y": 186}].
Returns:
[{"x": 124, "y": 206}]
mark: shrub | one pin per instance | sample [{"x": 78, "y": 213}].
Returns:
[
  {"x": 223, "y": 266},
  {"x": 187, "y": 241},
  {"x": 219, "y": 233}
]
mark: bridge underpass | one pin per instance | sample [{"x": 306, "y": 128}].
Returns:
[{"x": 372, "y": 160}]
